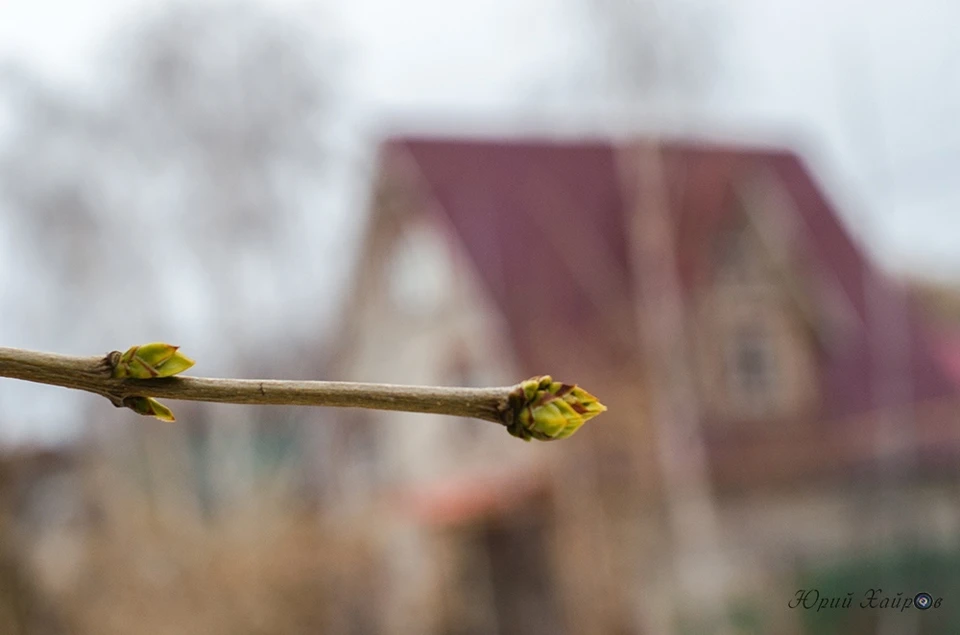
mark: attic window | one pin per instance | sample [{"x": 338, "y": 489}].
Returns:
[
  {"x": 752, "y": 367},
  {"x": 733, "y": 253}
]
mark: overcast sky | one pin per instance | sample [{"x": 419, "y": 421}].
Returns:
[
  {"x": 870, "y": 87},
  {"x": 873, "y": 83}
]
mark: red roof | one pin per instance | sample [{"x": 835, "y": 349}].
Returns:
[
  {"x": 503, "y": 195},
  {"x": 545, "y": 223}
]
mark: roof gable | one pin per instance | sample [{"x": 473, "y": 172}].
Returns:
[{"x": 546, "y": 225}]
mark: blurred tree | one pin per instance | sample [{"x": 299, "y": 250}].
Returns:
[
  {"x": 204, "y": 131},
  {"x": 652, "y": 48},
  {"x": 188, "y": 170},
  {"x": 638, "y": 52},
  {"x": 656, "y": 55},
  {"x": 238, "y": 96}
]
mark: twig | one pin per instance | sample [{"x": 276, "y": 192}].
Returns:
[{"x": 511, "y": 406}]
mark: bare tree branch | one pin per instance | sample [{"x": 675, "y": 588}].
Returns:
[{"x": 525, "y": 408}]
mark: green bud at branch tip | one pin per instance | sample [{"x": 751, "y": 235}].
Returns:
[{"x": 546, "y": 410}]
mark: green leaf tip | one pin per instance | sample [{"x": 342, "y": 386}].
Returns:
[
  {"x": 149, "y": 407},
  {"x": 150, "y": 361},
  {"x": 546, "y": 410}
]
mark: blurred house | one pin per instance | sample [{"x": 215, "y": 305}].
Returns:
[
  {"x": 825, "y": 411},
  {"x": 823, "y": 399}
]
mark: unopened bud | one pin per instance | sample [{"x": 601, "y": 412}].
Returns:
[
  {"x": 149, "y": 407},
  {"x": 150, "y": 361},
  {"x": 543, "y": 409}
]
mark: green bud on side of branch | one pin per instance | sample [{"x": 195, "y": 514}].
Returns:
[
  {"x": 149, "y": 407},
  {"x": 150, "y": 361}
]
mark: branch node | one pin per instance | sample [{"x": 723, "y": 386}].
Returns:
[{"x": 112, "y": 359}]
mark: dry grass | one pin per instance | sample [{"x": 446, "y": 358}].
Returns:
[
  {"x": 136, "y": 564},
  {"x": 275, "y": 574}
]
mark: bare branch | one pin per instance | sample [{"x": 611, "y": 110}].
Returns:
[{"x": 537, "y": 408}]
